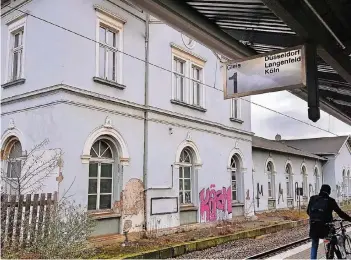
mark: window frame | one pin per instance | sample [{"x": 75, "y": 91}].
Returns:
[
  {"x": 304, "y": 180},
  {"x": 100, "y": 161},
  {"x": 289, "y": 183},
  {"x": 344, "y": 182},
  {"x": 10, "y": 161},
  {"x": 115, "y": 25},
  {"x": 234, "y": 172},
  {"x": 270, "y": 181},
  {"x": 193, "y": 81},
  {"x": 235, "y": 109},
  {"x": 182, "y": 166},
  {"x": 184, "y": 97},
  {"x": 19, "y": 24},
  {"x": 316, "y": 180},
  {"x": 190, "y": 62}
]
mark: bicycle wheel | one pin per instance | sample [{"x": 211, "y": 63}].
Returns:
[
  {"x": 333, "y": 252},
  {"x": 347, "y": 244},
  {"x": 337, "y": 253},
  {"x": 329, "y": 253}
]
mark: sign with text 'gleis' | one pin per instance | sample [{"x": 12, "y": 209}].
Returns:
[{"x": 269, "y": 72}]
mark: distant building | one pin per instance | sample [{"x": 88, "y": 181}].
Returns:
[{"x": 337, "y": 151}]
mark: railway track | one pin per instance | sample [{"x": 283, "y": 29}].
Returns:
[
  {"x": 281, "y": 249},
  {"x": 278, "y": 250}
]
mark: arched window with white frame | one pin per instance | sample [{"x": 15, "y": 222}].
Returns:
[
  {"x": 288, "y": 179},
  {"x": 236, "y": 178},
  {"x": 304, "y": 180},
  {"x": 316, "y": 178},
  {"x": 14, "y": 159},
  {"x": 186, "y": 168},
  {"x": 101, "y": 167},
  {"x": 344, "y": 182},
  {"x": 271, "y": 181},
  {"x": 348, "y": 182}
]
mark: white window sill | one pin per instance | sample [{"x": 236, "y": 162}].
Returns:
[
  {"x": 187, "y": 208},
  {"x": 237, "y": 204},
  {"x": 181, "y": 103},
  {"x": 103, "y": 214},
  {"x": 13, "y": 83},
  {"x": 236, "y": 120},
  {"x": 109, "y": 83}
]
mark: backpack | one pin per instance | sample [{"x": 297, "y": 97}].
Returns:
[{"x": 318, "y": 209}]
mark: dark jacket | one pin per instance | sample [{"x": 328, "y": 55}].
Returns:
[{"x": 319, "y": 230}]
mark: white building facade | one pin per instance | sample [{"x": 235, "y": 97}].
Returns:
[
  {"x": 279, "y": 170},
  {"x": 142, "y": 145},
  {"x": 136, "y": 109}
]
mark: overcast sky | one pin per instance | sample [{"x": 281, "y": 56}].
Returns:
[{"x": 267, "y": 124}]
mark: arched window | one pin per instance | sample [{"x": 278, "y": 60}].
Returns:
[
  {"x": 100, "y": 191},
  {"x": 349, "y": 182},
  {"x": 186, "y": 164},
  {"x": 14, "y": 151},
  {"x": 316, "y": 181},
  {"x": 236, "y": 178},
  {"x": 304, "y": 181},
  {"x": 344, "y": 182},
  {"x": 288, "y": 178},
  {"x": 271, "y": 182}
]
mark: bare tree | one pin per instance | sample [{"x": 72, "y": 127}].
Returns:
[
  {"x": 68, "y": 226},
  {"x": 26, "y": 173}
]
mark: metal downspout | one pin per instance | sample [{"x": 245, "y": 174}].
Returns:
[{"x": 146, "y": 117}]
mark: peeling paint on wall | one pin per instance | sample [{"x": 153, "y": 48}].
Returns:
[
  {"x": 133, "y": 197},
  {"x": 131, "y": 206}
]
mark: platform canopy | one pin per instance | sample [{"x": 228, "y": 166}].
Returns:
[{"x": 241, "y": 28}]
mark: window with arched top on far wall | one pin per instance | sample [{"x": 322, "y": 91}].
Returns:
[
  {"x": 344, "y": 182},
  {"x": 100, "y": 191},
  {"x": 288, "y": 179},
  {"x": 14, "y": 159},
  {"x": 236, "y": 178},
  {"x": 316, "y": 180},
  {"x": 186, "y": 168},
  {"x": 271, "y": 182},
  {"x": 304, "y": 181}
]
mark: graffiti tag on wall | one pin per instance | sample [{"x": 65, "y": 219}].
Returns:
[
  {"x": 215, "y": 204},
  {"x": 259, "y": 192},
  {"x": 280, "y": 193},
  {"x": 310, "y": 190}
]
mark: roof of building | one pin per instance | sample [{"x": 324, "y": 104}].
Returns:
[
  {"x": 277, "y": 146},
  {"x": 320, "y": 146}
]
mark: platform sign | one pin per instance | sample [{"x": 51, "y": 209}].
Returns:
[{"x": 269, "y": 72}]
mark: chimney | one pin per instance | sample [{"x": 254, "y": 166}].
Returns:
[{"x": 278, "y": 137}]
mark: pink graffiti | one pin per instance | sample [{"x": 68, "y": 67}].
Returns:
[{"x": 214, "y": 202}]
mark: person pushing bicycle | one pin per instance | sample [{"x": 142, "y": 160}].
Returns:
[{"x": 320, "y": 210}]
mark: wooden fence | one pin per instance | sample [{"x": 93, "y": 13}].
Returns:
[{"x": 25, "y": 217}]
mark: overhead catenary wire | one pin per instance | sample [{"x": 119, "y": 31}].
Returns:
[{"x": 162, "y": 68}]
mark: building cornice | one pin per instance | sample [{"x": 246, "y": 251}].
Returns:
[{"x": 93, "y": 95}]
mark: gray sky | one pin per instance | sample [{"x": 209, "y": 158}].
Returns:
[{"x": 267, "y": 124}]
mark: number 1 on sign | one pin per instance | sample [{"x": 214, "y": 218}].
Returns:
[{"x": 234, "y": 77}]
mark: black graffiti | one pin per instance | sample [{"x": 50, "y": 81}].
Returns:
[
  {"x": 310, "y": 190},
  {"x": 259, "y": 192},
  {"x": 280, "y": 193}
]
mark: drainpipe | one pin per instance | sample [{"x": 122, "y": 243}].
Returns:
[
  {"x": 253, "y": 191},
  {"x": 146, "y": 117}
]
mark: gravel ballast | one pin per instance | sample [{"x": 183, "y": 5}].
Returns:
[{"x": 244, "y": 248}]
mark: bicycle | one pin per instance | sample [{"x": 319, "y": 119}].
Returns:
[{"x": 337, "y": 244}]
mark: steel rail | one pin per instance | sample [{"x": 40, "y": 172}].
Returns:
[{"x": 275, "y": 251}]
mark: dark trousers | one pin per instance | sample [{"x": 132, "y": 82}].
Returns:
[{"x": 314, "y": 248}]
